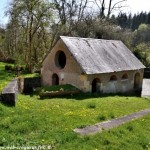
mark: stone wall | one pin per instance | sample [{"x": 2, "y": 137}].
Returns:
[
  {"x": 70, "y": 74},
  {"x": 10, "y": 92},
  {"x": 27, "y": 85},
  {"x": 119, "y": 86}
]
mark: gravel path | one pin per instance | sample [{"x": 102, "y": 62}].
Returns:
[
  {"x": 106, "y": 125},
  {"x": 146, "y": 88}
]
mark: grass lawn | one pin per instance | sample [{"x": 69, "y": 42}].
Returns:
[
  {"x": 5, "y": 77},
  {"x": 35, "y": 122}
]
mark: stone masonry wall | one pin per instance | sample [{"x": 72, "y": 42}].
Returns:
[
  {"x": 70, "y": 74},
  {"x": 118, "y": 86}
]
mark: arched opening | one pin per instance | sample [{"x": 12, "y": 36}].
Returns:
[
  {"x": 113, "y": 78},
  {"x": 60, "y": 59},
  {"x": 137, "y": 81},
  {"x": 95, "y": 85},
  {"x": 125, "y": 76},
  {"x": 55, "y": 79}
]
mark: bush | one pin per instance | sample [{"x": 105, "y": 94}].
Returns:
[
  {"x": 8, "y": 68},
  {"x": 10, "y": 60}
]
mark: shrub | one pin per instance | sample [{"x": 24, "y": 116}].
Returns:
[
  {"x": 8, "y": 68},
  {"x": 10, "y": 60}
]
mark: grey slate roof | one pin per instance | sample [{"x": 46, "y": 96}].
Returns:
[{"x": 101, "y": 56}]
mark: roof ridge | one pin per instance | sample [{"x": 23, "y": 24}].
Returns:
[{"x": 74, "y": 37}]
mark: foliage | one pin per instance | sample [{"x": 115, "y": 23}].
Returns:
[
  {"x": 141, "y": 35},
  {"x": 132, "y": 21},
  {"x": 35, "y": 26},
  {"x": 5, "y": 77},
  {"x": 27, "y": 30},
  {"x": 6, "y": 74},
  {"x": 142, "y": 52}
]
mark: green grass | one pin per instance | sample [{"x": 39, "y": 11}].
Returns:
[
  {"x": 5, "y": 77},
  {"x": 31, "y": 75},
  {"x": 35, "y": 122},
  {"x": 50, "y": 122}
]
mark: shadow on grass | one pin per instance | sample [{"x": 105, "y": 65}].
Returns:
[
  {"x": 78, "y": 96},
  {"x": 7, "y": 103},
  {"x": 56, "y": 92},
  {"x": 85, "y": 96}
]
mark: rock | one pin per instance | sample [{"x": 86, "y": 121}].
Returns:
[{"x": 10, "y": 92}]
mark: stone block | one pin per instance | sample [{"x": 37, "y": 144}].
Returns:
[{"x": 10, "y": 92}]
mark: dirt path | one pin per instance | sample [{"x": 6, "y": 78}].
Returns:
[{"x": 106, "y": 125}]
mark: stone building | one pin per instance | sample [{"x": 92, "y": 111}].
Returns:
[{"x": 93, "y": 65}]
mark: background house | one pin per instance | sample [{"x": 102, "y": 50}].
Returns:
[{"x": 93, "y": 65}]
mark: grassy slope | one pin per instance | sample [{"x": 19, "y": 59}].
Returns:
[
  {"x": 45, "y": 122},
  {"x": 4, "y": 76}
]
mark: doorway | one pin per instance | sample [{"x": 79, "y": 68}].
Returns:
[
  {"x": 137, "y": 81},
  {"x": 55, "y": 79},
  {"x": 95, "y": 85}
]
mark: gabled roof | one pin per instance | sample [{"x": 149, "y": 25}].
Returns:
[{"x": 101, "y": 56}]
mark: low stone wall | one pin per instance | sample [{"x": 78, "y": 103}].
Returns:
[
  {"x": 10, "y": 92},
  {"x": 52, "y": 94},
  {"x": 27, "y": 85},
  {"x": 147, "y": 73}
]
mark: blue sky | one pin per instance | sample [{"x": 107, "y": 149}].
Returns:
[
  {"x": 3, "y": 7},
  {"x": 134, "y": 6}
]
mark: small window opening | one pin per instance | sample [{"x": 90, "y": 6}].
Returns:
[
  {"x": 60, "y": 59},
  {"x": 125, "y": 77},
  {"x": 113, "y": 78}
]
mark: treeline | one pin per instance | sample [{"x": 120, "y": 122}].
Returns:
[
  {"x": 130, "y": 21},
  {"x": 35, "y": 26}
]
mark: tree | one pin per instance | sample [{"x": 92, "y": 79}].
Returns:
[
  {"x": 2, "y": 46},
  {"x": 142, "y": 51},
  {"x": 69, "y": 14},
  {"x": 32, "y": 19},
  {"x": 110, "y": 6},
  {"x": 142, "y": 34}
]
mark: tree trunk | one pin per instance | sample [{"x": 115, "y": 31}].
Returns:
[{"x": 109, "y": 9}]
